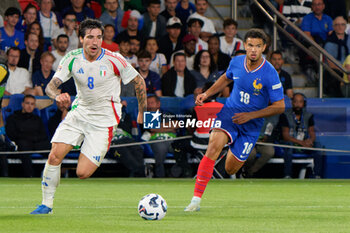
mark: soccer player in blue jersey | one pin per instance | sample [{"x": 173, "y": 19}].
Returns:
[{"x": 256, "y": 83}]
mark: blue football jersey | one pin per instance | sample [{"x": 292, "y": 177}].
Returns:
[
  {"x": 17, "y": 40},
  {"x": 252, "y": 90}
]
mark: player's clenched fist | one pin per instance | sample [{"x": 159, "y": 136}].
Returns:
[
  {"x": 63, "y": 98},
  {"x": 200, "y": 98}
]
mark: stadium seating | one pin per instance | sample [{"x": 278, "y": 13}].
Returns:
[{"x": 15, "y": 104}]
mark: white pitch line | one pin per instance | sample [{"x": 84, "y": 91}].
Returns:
[{"x": 171, "y": 207}]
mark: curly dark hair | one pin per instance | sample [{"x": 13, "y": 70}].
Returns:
[
  {"x": 197, "y": 60},
  {"x": 150, "y": 38},
  {"x": 90, "y": 24},
  {"x": 256, "y": 33}
]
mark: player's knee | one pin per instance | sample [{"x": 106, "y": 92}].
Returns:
[
  {"x": 213, "y": 155},
  {"x": 230, "y": 170},
  {"x": 213, "y": 152},
  {"x": 82, "y": 175},
  {"x": 54, "y": 159}
]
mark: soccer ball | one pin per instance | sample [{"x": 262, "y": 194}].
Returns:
[{"x": 152, "y": 207}]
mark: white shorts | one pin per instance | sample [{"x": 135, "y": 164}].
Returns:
[{"x": 97, "y": 140}]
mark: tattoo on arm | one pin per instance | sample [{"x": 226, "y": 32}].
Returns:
[
  {"x": 141, "y": 95},
  {"x": 52, "y": 88}
]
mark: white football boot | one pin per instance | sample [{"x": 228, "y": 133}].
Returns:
[{"x": 194, "y": 205}]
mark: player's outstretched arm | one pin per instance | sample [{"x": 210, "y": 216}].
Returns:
[
  {"x": 141, "y": 95},
  {"x": 218, "y": 86},
  {"x": 53, "y": 92},
  {"x": 275, "y": 108}
]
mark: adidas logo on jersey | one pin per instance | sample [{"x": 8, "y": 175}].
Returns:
[
  {"x": 97, "y": 158},
  {"x": 80, "y": 71}
]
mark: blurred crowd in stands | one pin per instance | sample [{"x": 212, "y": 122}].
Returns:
[
  {"x": 177, "y": 50},
  {"x": 44, "y": 31},
  {"x": 326, "y": 22}
]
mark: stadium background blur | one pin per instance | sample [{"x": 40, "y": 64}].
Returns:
[{"x": 331, "y": 114}]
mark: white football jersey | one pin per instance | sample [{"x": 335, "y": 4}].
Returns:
[{"x": 98, "y": 85}]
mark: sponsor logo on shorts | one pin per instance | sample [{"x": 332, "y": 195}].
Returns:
[
  {"x": 97, "y": 158},
  {"x": 44, "y": 183}
]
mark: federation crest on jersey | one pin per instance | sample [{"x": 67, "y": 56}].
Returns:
[
  {"x": 257, "y": 86},
  {"x": 103, "y": 71}
]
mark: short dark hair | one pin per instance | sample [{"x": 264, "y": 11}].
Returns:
[
  {"x": 14, "y": 49},
  {"x": 28, "y": 96},
  {"x": 240, "y": 51},
  {"x": 150, "y": 38},
  {"x": 125, "y": 40},
  {"x": 89, "y": 24},
  {"x": 154, "y": 96},
  {"x": 302, "y": 95},
  {"x": 277, "y": 52},
  {"x": 70, "y": 12},
  {"x": 109, "y": 25},
  {"x": 12, "y": 11},
  {"x": 62, "y": 36},
  {"x": 134, "y": 38},
  {"x": 196, "y": 1},
  {"x": 26, "y": 36},
  {"x": 179, "y": 54},
  {"x": 144, "y": 54},
  {"x": 194, "y": 20},
  {"x": 256, "y": 33},
  {"x": 150, "y": 2},
  {"x": 228, "y": 22},
  {"x": 215, "y": 36},
  {"x": 28, "y": 7}
]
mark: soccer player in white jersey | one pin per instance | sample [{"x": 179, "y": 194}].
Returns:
[{"x": 95, "y": 111}]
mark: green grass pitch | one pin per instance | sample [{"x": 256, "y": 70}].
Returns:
[{"x": 110, "y": 205}]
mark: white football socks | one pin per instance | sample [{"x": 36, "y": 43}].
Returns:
[{"x": 51, "y": 179}]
